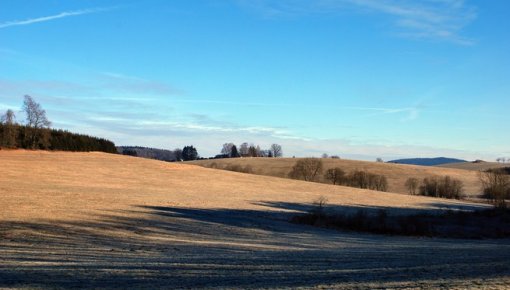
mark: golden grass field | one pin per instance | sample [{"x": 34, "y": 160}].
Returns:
[
  {"x": 99, "y": 220},
  {"x": 478, "y": 166},
  {"x": 397, "y": 174}
]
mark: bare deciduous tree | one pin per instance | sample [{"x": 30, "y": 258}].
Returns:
[
  {"x": 10, "y": 130},
  {"x": 276, "y": 150},
  {"x": 243, "y": 149},
  {"x": 378, "y": 182},
  {"x": 320, "y": 204},
  {"x": 178, "y": 154},
  {"x": 227, "y": 149},
  {"x": 412, "y": 185},
  {"x": 495, "y": 186},
  {"x": 9, "y": 118},
  {"x": 258, "y": 151},
  {"x": 335, "y": 175},
  {"x": 365, "y": 179},
  {"x": 36, "y": 116},
  {"x": 36, "y": 121},
  {"x": 307, "y": 169},
  {"x": 445, "y": 187}
]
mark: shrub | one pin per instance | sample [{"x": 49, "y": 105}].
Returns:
[
  {"x": 247, "y": 169},
  {"x": 238, "y": 168}
]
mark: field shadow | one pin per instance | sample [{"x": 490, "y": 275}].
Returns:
[
  {"x": 427, "y": 208},
  {"x": 173, "y": 247}
]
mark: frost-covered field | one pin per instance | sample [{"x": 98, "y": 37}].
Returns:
[{"x": 97, "y": 220}]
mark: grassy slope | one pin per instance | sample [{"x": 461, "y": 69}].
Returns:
[
  {"x": 96, "y": 220},
  {"x": 66, "y": 185},
  {"x": 474, "y": 166},
  {"x": 396, "y": 174}
]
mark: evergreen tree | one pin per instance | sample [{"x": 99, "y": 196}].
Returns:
[
  {"x": 252, "y": 151},
  {"x": 189, "y": 153},
  {"x": 233, "y": 152}
]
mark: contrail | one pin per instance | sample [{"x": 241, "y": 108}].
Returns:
[{"x": 51, "y": 17}]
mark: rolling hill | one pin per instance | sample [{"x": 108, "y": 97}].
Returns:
[
  {"x": 396, "y": 174},
  {"x": 475, "y": 166},
  {"x": 97, "y": 220}
]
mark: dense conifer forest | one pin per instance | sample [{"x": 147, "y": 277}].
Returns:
[{"x": 19, "y": 136}]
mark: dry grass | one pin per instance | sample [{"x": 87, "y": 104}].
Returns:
[
  {"x": 97, "y": 220},
  {"x": 475, "y": 166},
  {"x": 396, "y": 174},
  {"x": 38, "y": 184}
]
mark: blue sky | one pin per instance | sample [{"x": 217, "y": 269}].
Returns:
[{"x": 357, "y": 78}]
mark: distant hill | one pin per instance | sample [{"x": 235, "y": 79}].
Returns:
[
  {"x": 427, "y": 161},
  {"x": 146, "y": 152}
]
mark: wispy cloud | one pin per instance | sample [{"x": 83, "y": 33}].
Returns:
[
  {"x": 411, "y": 113},
  {"x": 208, "y": 138},
  {"x": 51, "y": 17},
  {"x": 430, "y": 19},
  {"x": 420, "y": 19},
  {"x": 132, "y": 84},
  {"x": 93, "y": 86}
]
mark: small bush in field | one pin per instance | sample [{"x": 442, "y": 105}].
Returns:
[{"x": 238, "y": 168}]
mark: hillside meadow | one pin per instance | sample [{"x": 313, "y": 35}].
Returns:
[
  {"x": 475, "y": 166},
  {"x": 397, "y": 174},
  {"x": 98, "y": 220}
]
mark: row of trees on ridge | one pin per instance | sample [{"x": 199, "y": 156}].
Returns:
[
  {"x": 230, "y": 150},
  {"x": 311, "y": 169},
  {"x": 36, "y": 133}
]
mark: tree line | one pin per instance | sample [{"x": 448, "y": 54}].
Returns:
[
  {"x": 444, "y": 187},
  {"x": 189, "y": 153},
  {"x": 147, "y": 152},
  {"x": 36, "y": 133},
  {"x": 311, "y": 169},
  {"x": 495, "y": 186},
  {"x": 230, "y": 150}
]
